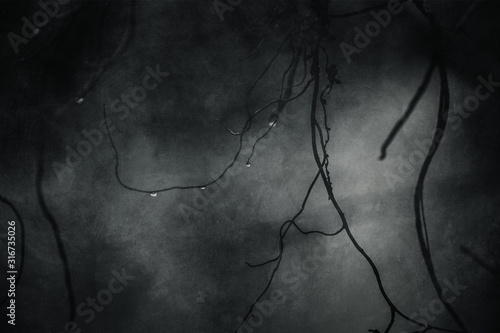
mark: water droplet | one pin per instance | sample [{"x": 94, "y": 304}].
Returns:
[
  {"x": 273, "y": 119},
  {"x": 79, "y": 100},
  {"x": 203, "y": 187},
  {"x": 248, "y": 164},
  {"x": 154, "y": 194}
]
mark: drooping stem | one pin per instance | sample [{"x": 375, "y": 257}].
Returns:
[
  {"x": 55, "y": 230},
  {"x": 328, "y": 186},
  {"x": 418, "y": 201}
]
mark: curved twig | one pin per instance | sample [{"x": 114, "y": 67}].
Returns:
[
  {"x": 409, "y": 110},
  {"x": 246, "y": 127},
  {"x": 443, "y": 109},
  {"x": 55, "y": 230}
]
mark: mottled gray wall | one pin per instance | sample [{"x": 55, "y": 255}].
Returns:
[{"x": 187, "y": 248}]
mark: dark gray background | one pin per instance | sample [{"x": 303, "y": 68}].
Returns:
[{"x": 171, "y": 138}]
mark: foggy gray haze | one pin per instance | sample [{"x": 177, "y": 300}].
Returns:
[{"x": 151, "y": 218}]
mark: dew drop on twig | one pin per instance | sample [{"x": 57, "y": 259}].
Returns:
[
  {"x": 154, "y": 194},
  {"x": 273, "y": 119}
]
